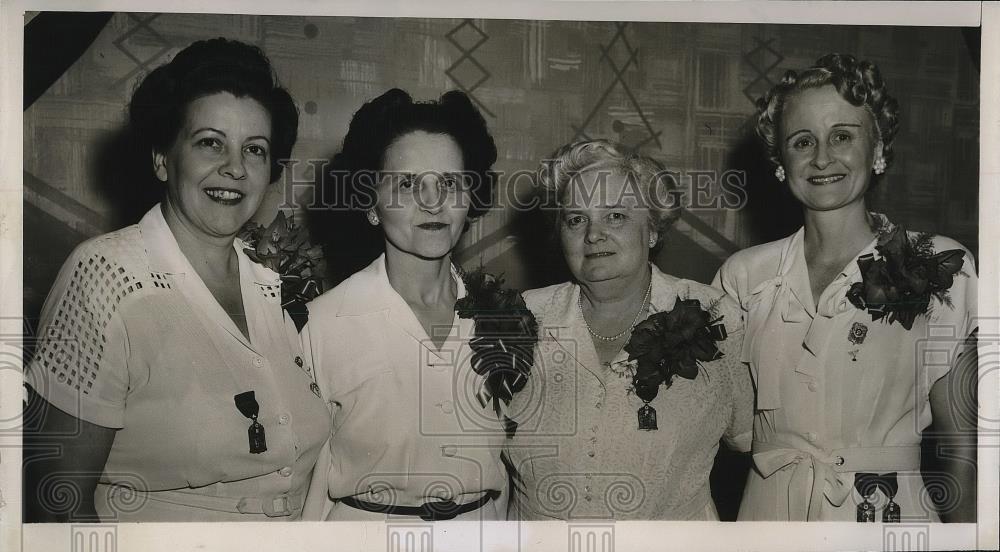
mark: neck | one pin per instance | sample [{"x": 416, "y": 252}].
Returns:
[
  {"x": 419, "y": 281},
  {"x": 620, "y": 295},
  {"x": 212, "y": 258},
  {"x": 838, "y": 233}
]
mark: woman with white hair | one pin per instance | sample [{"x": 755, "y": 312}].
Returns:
[{"x": 637, "y": 373}]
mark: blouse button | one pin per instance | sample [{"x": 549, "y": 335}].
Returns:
[
  {"x": 61, "y": 378},
  {"x": 298, "y": 361},
  {"x": 258, "y": 362},
  {"x": 587, "y": 498},
  {"x": 285, "y": 472},
  {"x": 590, "y": 454},
  {"x": 448, "y": 450},
  {"x": 446, "y": 407},
  {"x": 812, "y": 386},
  {"x": 811, "y": 437},
  {"x": 283, "y": 419}
]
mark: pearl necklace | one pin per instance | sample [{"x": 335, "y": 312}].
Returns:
[{"x": 642, "y": 308}]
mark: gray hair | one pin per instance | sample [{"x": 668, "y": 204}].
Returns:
[{"x": 656, "y": 185}]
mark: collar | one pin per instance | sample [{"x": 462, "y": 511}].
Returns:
[
  {"x": 369, "y": 290},
  {"x": 165, "y": 254}
]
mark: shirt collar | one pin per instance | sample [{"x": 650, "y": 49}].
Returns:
[
  {"x": 369, "y": 290},
  {"x": 165, "y": 254}
]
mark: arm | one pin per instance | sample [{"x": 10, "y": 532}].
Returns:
[
  {"x": 63, "y": 457},
  {"x": 953, "y": 400}
]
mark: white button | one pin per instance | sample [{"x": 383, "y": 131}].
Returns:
[
  {"x": 285, "y": 472},
  {"x": 447, "y": 407},
  {"x": 811, "y": 437},
  {"x": 258, "y": 362},
  {"x": 449, "y": 450},
  {"x": 283, "y": 419},
  {"x": 812, "y": 386},
  {"x": 587, "y": 498},
  {"x": 590, "y": 454}
]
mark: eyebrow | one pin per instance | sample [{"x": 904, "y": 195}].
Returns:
[{"x": 202, "y": 129}]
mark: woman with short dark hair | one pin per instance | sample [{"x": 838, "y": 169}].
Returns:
[
  {"x": 847, "y": 369},
  {"x": 391, "y": 353},
  {"x": 167, "y": 371}
]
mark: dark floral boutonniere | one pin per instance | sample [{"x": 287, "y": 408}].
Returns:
[
  {"x": 284, "y": 247},
  {"x": 668, "y": 344},
  {"x": 898, "y": 285},
  {"x": 504, "y": 342}
]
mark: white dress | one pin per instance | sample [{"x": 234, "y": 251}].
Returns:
[
  {"x": 578, "y": 450},
  {"x": 828, "y": 407},
  {"x": 407, "y": 428}
]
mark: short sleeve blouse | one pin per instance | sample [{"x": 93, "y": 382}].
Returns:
[{"x": 131, "y": 339}]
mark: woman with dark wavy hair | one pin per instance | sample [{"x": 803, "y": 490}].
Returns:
[
  {"x": 390, "y": 353},
  {"x": 841, "y": 319},
  {"x": 168, "y": 374}
]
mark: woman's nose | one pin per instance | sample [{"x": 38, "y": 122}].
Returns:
[
  {"x": 595, "y": 232},
  {"x": 822, "y": 158},
  {"x": 431, "y": 198},
  {"x": 233, "y": 166}
]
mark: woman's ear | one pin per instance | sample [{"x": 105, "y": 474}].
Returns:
[{"x": 160, "y": 166}]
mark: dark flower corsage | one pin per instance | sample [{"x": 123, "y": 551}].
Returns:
[
  {"x": 671, "y": 343},
  {"x": 504, "y": 341},
  {"x": 898, "y": 285},
  {"x": 284, "y": 248}
]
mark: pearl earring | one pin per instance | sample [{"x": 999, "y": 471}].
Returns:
[
  {"x": 779, "y": 173},
  {"x": 879, "y": 165},
  {"x": 373, "y": 217}
]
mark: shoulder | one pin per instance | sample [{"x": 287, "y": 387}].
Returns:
[
  {"x": 746, "y": 263},
  {"x": 108, "y": 267},
  {"x": 944, "y": 243},
  {"x": 333, "y": 301},
  {"x": 541, "y": 300}
]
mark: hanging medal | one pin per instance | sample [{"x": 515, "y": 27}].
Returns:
[
  {"x": 647, "y": 417},
  {"x": 891, "y": 512},
  {"x": 857, "y": 336},
  {"x": 246, "y": 403}
]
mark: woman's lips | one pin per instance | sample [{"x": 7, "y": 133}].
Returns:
[
  {"x": 432, "y": 226},
  {"x": 826, "y": 179},
  {"x": 225, "y": 196}
]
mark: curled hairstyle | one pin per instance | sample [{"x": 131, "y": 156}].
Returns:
[
  {"x": 655, "y": 184},
  {"x": 206, "y": 67},
  {"x": 393, "y": 114},
  {"x": 858, "y": 82}
]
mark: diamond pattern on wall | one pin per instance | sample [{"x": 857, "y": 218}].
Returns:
[
  {"x": 467, "y": 73},
  {"x": 619, "y": 48},
  {"x": 762, "y": 59},
  {"x": 142, "y": 26}
]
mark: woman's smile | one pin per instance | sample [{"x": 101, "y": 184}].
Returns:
[{"x": 224, "y": 196}]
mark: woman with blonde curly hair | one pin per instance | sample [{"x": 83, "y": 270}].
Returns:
[
  {"x": 637, "y": 373},
  {"x": 839, "y": 316}
]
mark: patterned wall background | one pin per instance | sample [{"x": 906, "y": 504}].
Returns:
[{"x": 679, "y": 92}]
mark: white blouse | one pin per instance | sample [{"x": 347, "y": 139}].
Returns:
[
  {"x": 407, "y": 426},
  {"x": 829, "y": 406}
]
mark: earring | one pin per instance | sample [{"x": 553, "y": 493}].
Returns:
[
  {"x": 652, "y": 242},
  {"x": 373, "y": 217},
  {"x": 779, "y": 173},
  {"x": 879, "y": 165}
]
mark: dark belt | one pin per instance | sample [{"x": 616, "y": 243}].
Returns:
[{"x": 438, "y": 510}]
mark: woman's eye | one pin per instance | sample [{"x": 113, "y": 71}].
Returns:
[
  {"x": 842, "y": 138},
  {"x": 406, "y": 182},
  {"x": 256, "y": 149},
  {"x": 450, "y": 182},
  {"x": 616, "y": 217},
  {"x": 209, "y": 142},
  {"x": 575, "y": 220},
  {"x": 802, "y": 143}
]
